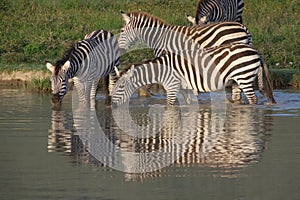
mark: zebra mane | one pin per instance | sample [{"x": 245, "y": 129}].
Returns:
[
  {"x": 200, "y": 2},
  {"x": 143, "y": 15},
  {"x": 66, "y": 56}
]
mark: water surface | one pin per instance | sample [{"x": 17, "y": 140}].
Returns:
[{"x": 250, "y": 152}]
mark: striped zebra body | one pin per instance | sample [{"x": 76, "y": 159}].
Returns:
[
  {"x": 160, "y": 36},
  {"x": 211, "y": 11},
  {"x": 202, "y": 70},
  {"x": 87, "y": 61}
]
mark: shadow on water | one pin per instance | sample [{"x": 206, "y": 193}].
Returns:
[{"x": 223, "y": 143}]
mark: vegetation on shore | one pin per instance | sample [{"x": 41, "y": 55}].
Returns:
[{"x": 33, "y": 31}]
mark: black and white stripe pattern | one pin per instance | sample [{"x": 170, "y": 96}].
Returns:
[
  {"x": 160, "y": 36},
  {"x": 202, "y": 70},
  {"x": 87, "y": 61},
  {"x": 211, "y": 11}
]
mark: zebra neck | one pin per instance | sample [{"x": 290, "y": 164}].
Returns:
[
  {"x": 153, "y": 37},
  {"x": 72, "y": 70}
]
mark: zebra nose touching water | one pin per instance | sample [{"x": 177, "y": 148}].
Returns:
[{"x": 95, "y": 57}]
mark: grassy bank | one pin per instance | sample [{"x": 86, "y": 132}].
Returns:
[{"x": 33, "y": 31}]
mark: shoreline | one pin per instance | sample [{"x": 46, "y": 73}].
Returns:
[{"x": 40, "y": 79}]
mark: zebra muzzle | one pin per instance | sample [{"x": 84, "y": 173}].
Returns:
[{"x": 55, "y": 99}]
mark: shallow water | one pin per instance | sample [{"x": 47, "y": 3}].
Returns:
[{"x": 241, "y": 152}]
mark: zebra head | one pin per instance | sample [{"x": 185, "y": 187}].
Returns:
[
  {"x": 123, "y": 88},
  {"x": 128, "y": 32},
  {"x": 59, "y": 81}
]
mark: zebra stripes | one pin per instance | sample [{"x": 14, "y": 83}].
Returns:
[
  {"x": 211, "y": 11},
  {"x": 87, "y": 61},
  {"x": 239, "y": 142},
  {"x": 160, "y": 36},
  {"x": 202, "y": 70}
]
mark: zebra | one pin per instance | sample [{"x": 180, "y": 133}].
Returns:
[
  {"x": 96, "y": 56},
  {"x": 160, "y": 36},
  {"x": 211, "y": 11},
  {"x": 202, "y": 70}
]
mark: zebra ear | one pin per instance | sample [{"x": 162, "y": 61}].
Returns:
[
  {"x": 50, "y": 67},
  {"x": 203, "y": 19},
  {"x": 131, "y": 71},
  {"x": 66, "y": 66},
  {"x": 117, "y": 71},
  {"x": 190, "y": 19},
  {"x": 125, "y": 17}
]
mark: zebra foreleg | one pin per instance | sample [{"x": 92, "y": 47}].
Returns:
[
  {"x": 93, "y": 89},
  {"x": 110, "y": 82},
  {"x": 80, "y": 88}
]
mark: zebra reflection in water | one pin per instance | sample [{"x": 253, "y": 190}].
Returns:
[{"x": 238, "y": 143}]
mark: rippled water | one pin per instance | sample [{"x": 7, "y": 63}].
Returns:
[{"x": 246, "y": 152}]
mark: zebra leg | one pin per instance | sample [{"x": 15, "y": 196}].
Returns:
[
  {"x": 113, "y": 77},
  {"x": 249, "y": 93},
  {"x": 172, "y": 90},
  {"x": 235, "y": 93},
  {"x": 93, "y": 90},
  {"x": 80, "y": 87},
  {"x": 107, "y": 92},
  {"x": 110, "y": 82}
]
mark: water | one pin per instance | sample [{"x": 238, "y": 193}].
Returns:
[{"x": 248, "y": 152}]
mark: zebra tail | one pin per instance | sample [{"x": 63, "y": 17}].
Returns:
[{"x": 267, "y": 84}]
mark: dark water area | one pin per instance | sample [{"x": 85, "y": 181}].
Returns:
[{"x": 236, "y": 152}]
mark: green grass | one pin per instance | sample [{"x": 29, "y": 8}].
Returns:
[
  {"x": 33, "y": 31},
  {"x": 285, "y": 78},
  {"x": 41, "y": 84}
]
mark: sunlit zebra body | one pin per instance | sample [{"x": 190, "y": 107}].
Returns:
[
  {"x": 202, "y": 70},
  {"x": 211, "y": 11},
  {"x": 87, "y": 61},
  {"x": 160, "y": 36}
]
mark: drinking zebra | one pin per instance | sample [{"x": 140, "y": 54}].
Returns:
[
  {"x": 202, "y": 70},
  {"x": 160, "y": 36},
  {"x": 87, "y": 61},
  {"x": 210, "y": 11}
]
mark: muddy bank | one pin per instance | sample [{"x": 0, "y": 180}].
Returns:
[{"x": 24, "y": 76}]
